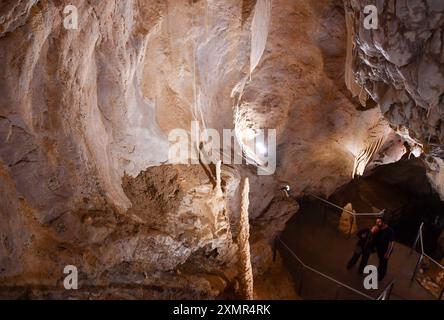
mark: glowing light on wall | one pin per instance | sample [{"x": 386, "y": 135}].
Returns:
[
  {"x": 416, "y": 151},
  {"x": 261, "y": 148}
]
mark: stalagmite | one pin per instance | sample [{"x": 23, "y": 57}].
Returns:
[
  {"x": 218, "y": 178},
  {"x": 246, "y": 272},
  {"x": 114, "y": 116},
  {"x": 346, "y": 220}
]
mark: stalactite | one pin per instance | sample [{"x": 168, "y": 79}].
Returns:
[
  {"x": 246, "y": 272},
  {"x": 259, "y": 31},
  {"x": 376, "y": 137},
  {"x": 348, "y": 75}
]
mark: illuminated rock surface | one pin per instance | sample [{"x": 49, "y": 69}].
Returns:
[{"x": 85, "y": 116}]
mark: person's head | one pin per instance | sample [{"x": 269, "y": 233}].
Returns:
[
  {"x": 380, "y": 222},
  {"x": 374, "y": 229}
]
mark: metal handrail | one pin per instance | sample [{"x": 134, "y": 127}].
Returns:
[
  {"x": 322, "y": 274},
  {"x": 387, "y": 291},
  {"x": 433, "y": 260},
  {"x": 420, "y": 238},
  {"x": 375, "y": 214}
]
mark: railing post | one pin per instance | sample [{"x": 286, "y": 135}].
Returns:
[
  {"x": 381, "y": 296},
  {"x": 385, "y": 294},
  {"x": 416, "y": 240},
  {"x": 417, "y": 267},
  {"x": 275, "y": 248},
  {"x": 390, "y": 290}
]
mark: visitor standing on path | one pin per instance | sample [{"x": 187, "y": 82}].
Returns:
[
  {"x": 364, "y": 248},
  {"x": 384, "y": 241}
]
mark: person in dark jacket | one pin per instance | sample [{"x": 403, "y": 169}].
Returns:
[
  {"x": 384, "y": 242},
  {"x": 364, "y": 247}
]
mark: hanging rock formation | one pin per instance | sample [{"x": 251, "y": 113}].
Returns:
[
  {"x": 400, "y": 65},
  {"x": 85, "y": 116}
]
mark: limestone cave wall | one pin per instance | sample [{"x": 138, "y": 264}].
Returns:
[{"x": 85, "y": 115}]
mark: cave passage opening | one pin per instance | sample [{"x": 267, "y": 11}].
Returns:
[{"x": 403, "y": 190}]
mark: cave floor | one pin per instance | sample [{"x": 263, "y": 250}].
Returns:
[{"x": 313, "y": 236}]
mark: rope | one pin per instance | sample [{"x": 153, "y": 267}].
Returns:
[{"x": 375, "y": 214}]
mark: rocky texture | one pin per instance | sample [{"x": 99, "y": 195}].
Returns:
[
  {"x": 400, "y": 66},
  {"x": 246, "y": 271},
  {"x": 271, "y": 280},
  {"x": 299, "y": 90},
  {"x": 347, "y": 222},
  {"x": 187, "y": 239},
  {"x": 431, "y": 277},
  {"x": 84, "y": 120}
]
